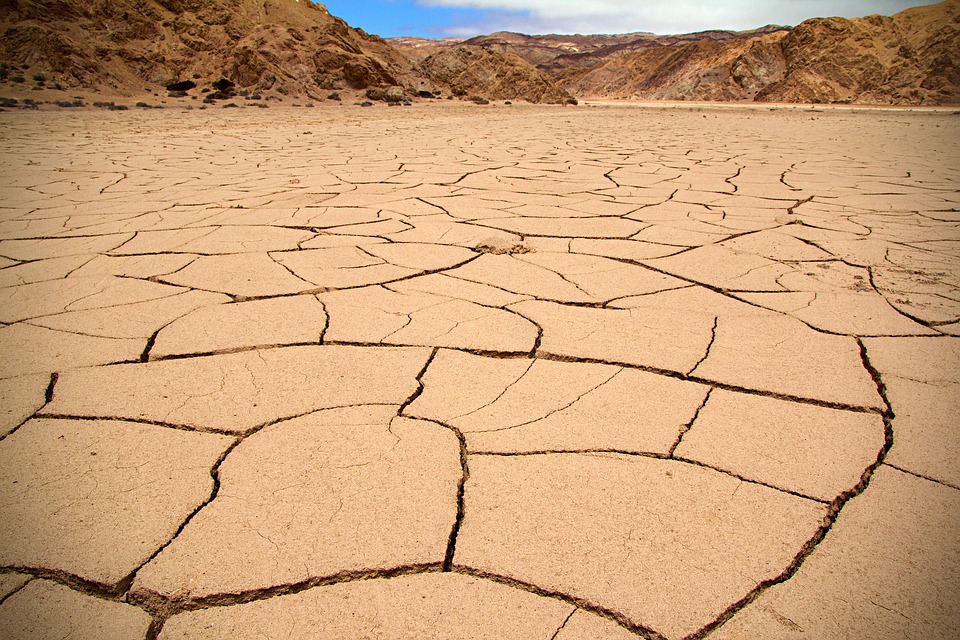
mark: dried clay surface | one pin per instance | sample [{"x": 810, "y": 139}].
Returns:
[{"x": 559, "y": 373}]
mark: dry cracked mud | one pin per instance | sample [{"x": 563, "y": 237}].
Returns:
[{"x": 535, "y": 372}]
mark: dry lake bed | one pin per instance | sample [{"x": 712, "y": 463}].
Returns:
[{"x": 452, "y": 371}]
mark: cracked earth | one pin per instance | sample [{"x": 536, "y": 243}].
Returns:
[{"x": 593, "y": 373}]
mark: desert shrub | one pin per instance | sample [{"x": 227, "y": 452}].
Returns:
[
  {"x": 118, "y": 107},
  {"x": 177, "y": 94},
  {"x": 103, "y": 105},
  {"x": 4, "y": 72},
  {"x": 334, "y": 96},
  {"x": 59, "y": 87},
  {"x": 39, "y": 77},
  {"x": 230, "y": 105},
  {"x": 68, "y": 103},
  {"x": 309, "y": 105},
  {"x": 425, "y": 94},
  {"x": 507, "y": 102},
  {"x": 18, "y": 79},
  {"x": 9, "y": 102},
  {"x": 572, "y": 101},
  {"x": 478, "y": 100}
]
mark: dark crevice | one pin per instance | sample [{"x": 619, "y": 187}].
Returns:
[
  {"x": 685, "y": 428},
  {"x": 706, "y": 354},
  {"x": 922, "y": 476},
  {"x": 48, "y": 394},
  {"x": 7, "y": 596},
  {"x": 461, "y": 488},
  {"x": 563, "y": 624},
  {"x": 145, "y": 356}
]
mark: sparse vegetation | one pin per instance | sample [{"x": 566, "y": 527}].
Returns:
[
  {"x": 39, "y": 77},
  {"x": 68, "y": 103},
  {"x": 334, "y": 96},
  {"x": 478, "y": 100}
]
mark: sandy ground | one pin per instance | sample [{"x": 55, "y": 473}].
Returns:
[{"x": 455, "y": 372}]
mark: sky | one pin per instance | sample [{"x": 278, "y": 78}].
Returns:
[{"x": 467, "y": 18}]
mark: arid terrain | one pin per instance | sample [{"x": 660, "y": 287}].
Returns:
[
  {"x": 136, "y": 50},
  {"x": 556, "y": 373}
]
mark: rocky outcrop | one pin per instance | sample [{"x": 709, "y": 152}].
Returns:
[
  {"x": 704, "y": 70},
  {"x": 910, "y": 58},
  {"x": 477, "y": 71},
  {"x": 286, "y": 46}
]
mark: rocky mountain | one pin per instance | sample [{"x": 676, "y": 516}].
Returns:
[
  {"x": 296, "y": 48},
  {"x": 910, "y": 58},
  {"x": 275, "y": 47},
  {"x": 482, "y": 72},
  {"x": 286, "y": 46}
]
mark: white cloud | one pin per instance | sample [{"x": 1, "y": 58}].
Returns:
[{"x": 658, "y": 16}]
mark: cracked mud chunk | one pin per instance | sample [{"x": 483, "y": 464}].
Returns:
[
  {"x": 565, "y": 277},
  {"x": 21, "y": 397},
  {"x": 381, "y": 315},
  {"x": 437, "y": 606},
  {"x": 27, "y": 349},
  {"x": 656, "y": 337},
  {"x": 355, "y": 266},
  {"x": 668, "y": 545},
  {"x": 271, "y": 322},
  {"x": 248, "y": 275},
  {"x": 922, "y": 379},
  {"x": 77, "y": 294},
  {"x": 44, "y": 609},
  {"x": 214, "y": 240},
  {"x": 541, "y": 405},
  {"x": 725, "y": 268},
  {"x": 135, "y": 320},
  {"x": 336, "y": 491},
  {"x": 237, "y": 392},
  {"x": 769, "y": 352},
  {"x": 72, "y": 493},
  {"x": 815, "y": 451},
  {"x": 567, "y": 227},
  {"x": 900, "y": 531}
]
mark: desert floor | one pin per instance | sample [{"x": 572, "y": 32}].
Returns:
[{"x": 450, "y": 371}]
